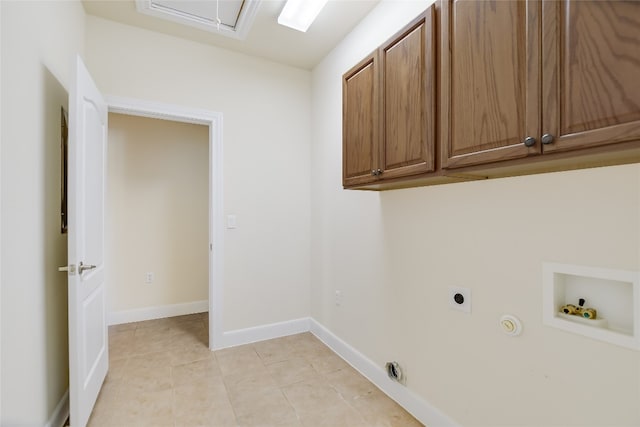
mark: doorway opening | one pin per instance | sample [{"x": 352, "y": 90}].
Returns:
[{"x": 213, "y": 239}]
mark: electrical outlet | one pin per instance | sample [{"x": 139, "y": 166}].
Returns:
[
  {"x": 148, "y": 277},
  {"x": 338, "y": 298}
]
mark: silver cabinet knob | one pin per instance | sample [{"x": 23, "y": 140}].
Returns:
[
  {"x": 547, "y": 138},
  {"x": 373, "y": 172},
  {"x": 379, "y": 172},
  {"x": 529, "y": 141}
]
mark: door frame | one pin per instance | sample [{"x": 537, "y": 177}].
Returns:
[{"x": 154, "y": 110}]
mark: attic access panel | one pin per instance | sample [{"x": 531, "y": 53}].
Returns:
[{"x": 236, "y": 16}]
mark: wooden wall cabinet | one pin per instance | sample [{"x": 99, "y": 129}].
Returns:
[
  {"x": 522, "y": 87},
  {"x": 389, "y": 98},
  {"x": 591, "y": 73},
  {"x": 360, "y": 129},
  {"x": 502, "y": 97},
  {"x": 489, "y": 81}
]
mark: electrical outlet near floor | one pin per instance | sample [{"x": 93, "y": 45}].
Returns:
[{"x": 148, "y": 277}]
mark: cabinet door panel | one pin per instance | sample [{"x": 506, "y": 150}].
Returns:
[
  {"x": 360, "y": 122},
  {"x": 592, "y": 73},
  {"x": 408, "y": 83},
  {"x": 490, "y": 76}
]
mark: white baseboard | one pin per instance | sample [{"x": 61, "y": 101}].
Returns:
[
  {"x": 150, "y": 313},
  {"x": 418, "y": 407},
  {"x": 264, "y": 332},
  {"x": 60, "y": 413},
  {"x": 415, "y": 405}
]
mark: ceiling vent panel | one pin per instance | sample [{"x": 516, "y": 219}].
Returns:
[{"x": 236, "y": 16}]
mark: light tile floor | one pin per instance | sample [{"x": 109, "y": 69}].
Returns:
[{"x": 162, "y": 374}]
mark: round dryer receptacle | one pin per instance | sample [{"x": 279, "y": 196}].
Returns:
[{"x": 510, "y": 325}]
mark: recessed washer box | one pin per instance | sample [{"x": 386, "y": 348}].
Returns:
[{"x": 615, "y": 294}]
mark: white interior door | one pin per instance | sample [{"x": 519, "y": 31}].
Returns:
[{"x": 88, "y": 340}]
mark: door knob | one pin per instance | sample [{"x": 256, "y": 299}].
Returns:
[{"x": 82, "y": 267}]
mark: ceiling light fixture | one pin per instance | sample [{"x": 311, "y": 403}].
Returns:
[{"x": 300, "y": 14}]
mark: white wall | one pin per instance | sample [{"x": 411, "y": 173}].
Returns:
[
  {"x": 157, "y": 212},
  {"x": 1, "y": 134},
  {"x": 266, "y": 115},
  {"x": 39, "y": 42},
  {"x": 394, "y": 254}
]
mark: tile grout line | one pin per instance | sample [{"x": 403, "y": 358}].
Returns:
[{"x": 301, "y": 358}]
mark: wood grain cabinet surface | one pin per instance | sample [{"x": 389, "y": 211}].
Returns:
[
  {"x": 489, "y": 80},
  {"x": 389, "y": 108},
  {"x": 360, "y": 104},
  {"x": 591, "y": 73},
  {"x": 475, "y": 89},
  {"x": 505, "y": 98}
]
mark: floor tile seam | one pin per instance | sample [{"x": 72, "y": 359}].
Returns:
[
  {"x": 261, "y": 389},
  {"x": 341, "y": 395},
  {"x": 349, "y": 403},
  {"x": 194, "y": 346},
  {"x": 283, "y": 386},
  {"x": 281, "y": 361},
  {"x": 137, "y": 326},
  {"x": 188, "y": 363},
  {"x": 232, "y": 350},
  {"x": 357, "y": 395},
  {"x": 228, "y": 393},
  {"x": 136, "y": 354},
  {"x": 149, "y": 367},
  {"x": 295, "y": 411},
  {"x": 173, "y": 403},
  {"x": 188, "y": 327},
  {"x": 226, "y": 373}
]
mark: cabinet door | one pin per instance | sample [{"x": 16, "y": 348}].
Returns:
[
  {"x": 360, "y": 103},
  {"x": 490, "y": 78},
  {"x": 408, "y": 105},
  {"x": 591, "y": 70}
]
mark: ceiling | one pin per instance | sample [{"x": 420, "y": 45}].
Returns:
[
  {"x": 227, "y": 11},
  {"x": 266, "y": 38}
]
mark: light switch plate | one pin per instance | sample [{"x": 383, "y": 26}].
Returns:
[
  {"x": 460, "y": 298},
  {"x": 231, "y": 221}
]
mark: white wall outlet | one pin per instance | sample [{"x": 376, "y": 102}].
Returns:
[
  {"x": 232, "y": 221},
  {"x": 148, "y": 277},
  {"x": 460, "y": 298},
  {"x": 338, "y": 298}
]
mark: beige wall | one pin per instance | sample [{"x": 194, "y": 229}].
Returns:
[
  {"x": 266, "y": 125},
  {"x": 157, "y": 212},
  {"x": 394, "y": 255},
  {"x": 39, "y": 43}
]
